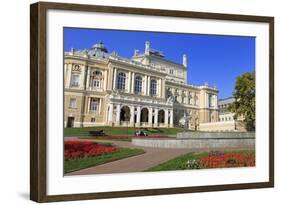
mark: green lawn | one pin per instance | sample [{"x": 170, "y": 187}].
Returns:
[
  {"x": 177, "y": 163},
  {"x": 121, "y": 131},
  {"x": 77, "y": 164}
]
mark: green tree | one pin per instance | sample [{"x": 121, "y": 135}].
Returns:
[{"x": 245, "y": 101}]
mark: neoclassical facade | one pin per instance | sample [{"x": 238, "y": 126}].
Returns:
[{"x": 105, "y": 89}]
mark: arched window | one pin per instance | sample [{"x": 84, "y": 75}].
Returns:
[
  {"x": 138, "y": 85},
  {"x": 97, "y": 73},
  {"x": 153, "y": 87},
  {"x": 121, "y": 81}
]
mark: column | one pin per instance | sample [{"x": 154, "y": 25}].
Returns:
[
  {"x": 105, "y": 80},
  {"x": 148, "y": 85},
  {"x": 166, "y": 118},
  {"x": 88, "y": 78},
  {"x": 150, "y": 117},
  {"x": 118, "y": 109},
  {"x": 100, "y": 99},
  {"x": 114, "y": 79},
  {"x": 65, "y": 73},
  {"x": 159, "y": 87},
  {"x": 132, "y": 115},
  {"x": 129, "y": 82},
  {"x": 171, "y": 118},
  {"x": 206, "y": 100},
  {"x": 68, "y": 77},
  {"x": 156, "y": 117},
  {"x": 138, "y": 116},
  {"x": 82, "y": 77},
  {"x": 133, "y": 83},
  {"x": 145, "y": 85},
  {"x": 163, "y": 88},
  {"x": 85, "y": 104},
  {"x": 89, "y": 104},
  {"x": 110, "y": 112}
]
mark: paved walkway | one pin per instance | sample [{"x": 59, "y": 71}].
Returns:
[{"x": 151, "y": 158}]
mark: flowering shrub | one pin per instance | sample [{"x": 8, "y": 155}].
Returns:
[
  {"x": 192, "y": 164},
  {"x": 232, "y": 159},
  {"x": 78, "y": 149}
]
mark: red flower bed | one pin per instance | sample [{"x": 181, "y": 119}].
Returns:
[
  {"x": 228, "y": 160},
  {"x": 78, "y": 149}
]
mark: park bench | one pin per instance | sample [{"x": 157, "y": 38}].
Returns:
[{"x": 97, "y": 133}]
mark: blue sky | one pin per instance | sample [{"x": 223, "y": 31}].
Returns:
[{"x": 214, "y": 59}]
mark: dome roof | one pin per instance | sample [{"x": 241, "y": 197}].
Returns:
[
  {"x": 100, "y": 46},
  {"x": 98, "y": 50}
]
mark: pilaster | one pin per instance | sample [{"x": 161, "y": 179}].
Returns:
[
  {"x": 118, "y": 109},
  {"x": 138, "y": 116},
  {"x": 150, "y": 117},
  {"x": 132, "y": 115},
  {"x": 156, "y": 117}
]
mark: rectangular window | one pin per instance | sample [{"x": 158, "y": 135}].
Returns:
[
  {"x": 72, "y": 103},
  {"x": 74, "y": 80},
  {"x": 96, "y": 83},
  {"x": 153, "y": 87},
  {"x": 94, "y": 105}
]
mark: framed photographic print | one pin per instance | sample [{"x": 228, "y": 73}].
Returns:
[{"x": 135, "y": 102}]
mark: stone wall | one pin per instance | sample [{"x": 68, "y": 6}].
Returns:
[
  {"x": 223, "y": 135},
  {"x": 201, "y": 140},
  {"x": 222, "y": 126}
]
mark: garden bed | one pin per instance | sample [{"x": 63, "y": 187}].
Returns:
[
  {"x": 79, "y": 155},
  {"x": 208, "y": 160}
]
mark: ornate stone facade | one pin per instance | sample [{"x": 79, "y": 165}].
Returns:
[{"x": 145, "y": 91}]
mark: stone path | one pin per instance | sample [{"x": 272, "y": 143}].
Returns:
[{"x": 151, "y": 158}]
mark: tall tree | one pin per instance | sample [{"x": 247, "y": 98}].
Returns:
[{"x": 245, "y": 100}]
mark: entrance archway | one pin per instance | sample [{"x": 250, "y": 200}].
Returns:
[
  {"x": 161, "y": 116},
  {"x": 70, "y": 122},
  {"x": 125, "y": 114},
  {"x": 144, "y": 115}
]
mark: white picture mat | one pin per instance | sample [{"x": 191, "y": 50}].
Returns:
[{"x": 57, "y": 184}]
